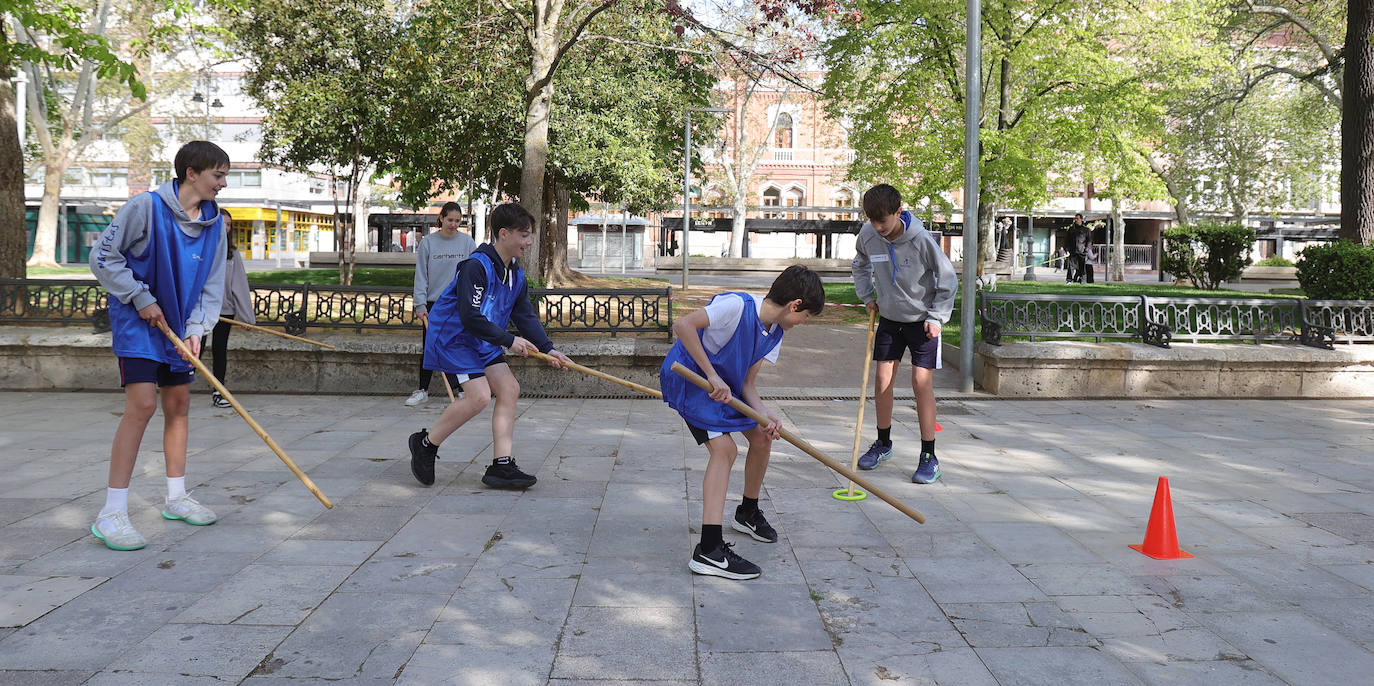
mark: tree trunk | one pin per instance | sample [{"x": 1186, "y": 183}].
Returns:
[
  {"x": 13, "y": 234},
  {"x": 556, "y": 271},
  {"x": 534, "y": 159},
  {"x": 987, "y": 211},
  {"x": 739, "y": 216},
  {"x": 45, "y": 239},
  {"x": 1118, "y": 263},
  {"x": 1357, "y": 125}
]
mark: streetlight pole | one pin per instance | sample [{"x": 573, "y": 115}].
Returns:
[
  {"x": 687, "y": 182},
  {"x": 686, "y": 192},
  {"x": 972, "y": 82}
]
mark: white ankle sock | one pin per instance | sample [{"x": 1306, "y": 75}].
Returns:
[
  {"x": 116, "y": 500},
  {"x": 176, "y": 487}
]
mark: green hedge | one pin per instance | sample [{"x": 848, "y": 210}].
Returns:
[
  {"x": 1208, "y": 253},
  {"x": 1343, "y": 270},
  {"x": 1274, "y": 261}
]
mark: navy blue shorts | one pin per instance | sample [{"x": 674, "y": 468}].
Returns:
[
  {"x": 892, "y": 339},
  {"x": 141, "y": 370}
]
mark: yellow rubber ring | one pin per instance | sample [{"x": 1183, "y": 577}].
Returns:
[{"x": 843, "y": 494}]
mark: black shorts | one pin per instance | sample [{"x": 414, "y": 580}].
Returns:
[
  {"x": 700, "y": 434},
  {"x": 892, "y": 339},
  {"x": 464, "y": 378},
  {"x": 141, "y": 370}
]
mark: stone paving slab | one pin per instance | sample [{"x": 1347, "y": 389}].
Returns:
[{"x": 1021, "y": 574}]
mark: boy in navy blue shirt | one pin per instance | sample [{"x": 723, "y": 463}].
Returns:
[
  {"x": 161, "y": 259},
  {"x": 466, "y": 335},
  {"x": 726, "y": 342}
]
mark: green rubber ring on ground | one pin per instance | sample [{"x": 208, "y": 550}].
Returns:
[{"x": 843, "y": 494}]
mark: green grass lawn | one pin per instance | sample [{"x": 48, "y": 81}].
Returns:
[
  {"x": 71, "y": 272},
  {"x": 362, "y": 276}
]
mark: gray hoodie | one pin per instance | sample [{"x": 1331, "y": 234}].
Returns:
[
  {"x": 913, "y": 279},
  {"x": 436, "y": 263},
  {"x": 129, "y": 232}
]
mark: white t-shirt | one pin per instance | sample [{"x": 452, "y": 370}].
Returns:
[{"x": 724, "y": 314}]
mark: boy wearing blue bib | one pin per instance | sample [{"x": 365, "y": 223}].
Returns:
[
  {"x": 161, "y": 259},
  {"x": 726, "y": 342},
  {"x": 466, "y": 337}
]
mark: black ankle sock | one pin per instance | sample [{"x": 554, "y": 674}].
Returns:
[
  {"x": 711, "y": 537},
  {"x": 885, "y": 435},
  {"x": 928, "y": 446},
  {"x": 749, "y": 505},
  {"x": 503, "y": 460}
]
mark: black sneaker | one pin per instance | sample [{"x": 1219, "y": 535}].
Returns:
[
  {"x": 507, "y": 475},
  {"x": 723, "y": 562},
  {"x": 755, "y": 525},
  {"x": 422, "y": 458}
]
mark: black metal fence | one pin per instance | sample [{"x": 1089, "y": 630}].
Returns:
[
  {"x": 300, "y": 307},
  {"x": 1158, "y": 321}
]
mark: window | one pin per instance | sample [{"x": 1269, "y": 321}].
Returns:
[
  {"x": 109, "y": 177},
  {"x": 782, "y": 133},
  {"x": 244, "y": 178},
  {"x": 772, "y": 197},
  {"x": 161, "y": 176},
  {"x": 794, "y": 198},
  {"x": 844, "y": 198}
]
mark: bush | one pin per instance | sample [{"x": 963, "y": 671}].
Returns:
[
  {"x": 1343, "y": 270},
  {"x": 1208, "y": 253},
  {"x": 1275, "y": 261}
]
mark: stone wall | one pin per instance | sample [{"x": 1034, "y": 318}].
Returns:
[
  {"x": 1073, "y": 369},
  {"x": 71, "y": 359}
]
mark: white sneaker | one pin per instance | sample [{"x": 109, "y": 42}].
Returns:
[
  {"x": 118, "y": 532},
  {"x": 417, "y": 398},
  {"x": 188, "y": 510}
]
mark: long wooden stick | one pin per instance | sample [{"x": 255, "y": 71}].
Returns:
[
  {"x": 792, "y": 438},
  {"x": 448, "y": 387},
  {"x": 186, "y": 352},
  {"x": 863, "y": 397},
  {"x": 255, "y": 327},
  {"x": 601, "y": 375}
]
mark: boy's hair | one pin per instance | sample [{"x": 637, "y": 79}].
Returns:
[
  {"x": 882, "y": 200},
  {"x": 1078, "y": 215},
  {"x": 798, "y": 283},
  {"x": 199, "y": 155},
  {"x": 510, "y": 216},
  {"x": 451, "y": 207}
]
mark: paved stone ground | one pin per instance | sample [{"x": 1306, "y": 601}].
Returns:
[{"x": 1020, "y": 576}]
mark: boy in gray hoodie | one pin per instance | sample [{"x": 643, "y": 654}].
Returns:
[
  {"x": 162, "y": 261},
  {"x": 901, "y": 272}
]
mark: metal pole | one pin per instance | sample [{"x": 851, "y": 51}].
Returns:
[
  {"x": 62, "y": 234},
  {"x": 686, "y": 191},
  {"x": 276, "y": 232},
  {"x": 972, "y": 79},
  {"x": 206, "y": 74},
  {"x": 603, "y": 238},
  {"x": 624, "y": 219}
]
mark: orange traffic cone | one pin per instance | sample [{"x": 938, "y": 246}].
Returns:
[
  {"x": 1161, "y": 540},
  {"x": 938, "y": 427}
]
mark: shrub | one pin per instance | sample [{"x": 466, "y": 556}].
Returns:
[
  {"x": 1208, "y": 253},
  {"x": 1343, "y": 270},
  {"x": 1275, "y": 261}
]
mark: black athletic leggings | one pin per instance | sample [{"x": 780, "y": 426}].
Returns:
[
  {"x": 219, "y": 341},
  {"x": 427, "y": 375}
]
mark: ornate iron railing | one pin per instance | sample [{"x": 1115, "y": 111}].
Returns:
[
  {"x": 299, "y": 307},
  {"x": 1158, "y": 321}
]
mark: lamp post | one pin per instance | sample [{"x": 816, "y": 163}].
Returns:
[
  {"x": 206, "y": 98},
  {"x": 973, "y": 76},
  {"x": 687, "y": 182}
]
